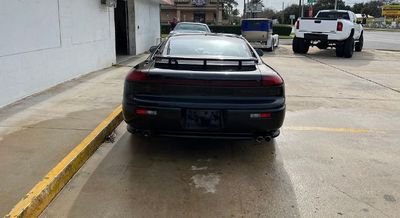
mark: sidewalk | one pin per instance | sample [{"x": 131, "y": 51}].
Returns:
[{"x": 37, "y": 132}]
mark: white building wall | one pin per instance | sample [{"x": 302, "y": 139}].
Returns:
[
  {"x": 147, "y": 21},
  {"x": 46, "y": 42}
]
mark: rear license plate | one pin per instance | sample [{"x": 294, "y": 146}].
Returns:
[{"x": 203, "y": 119}]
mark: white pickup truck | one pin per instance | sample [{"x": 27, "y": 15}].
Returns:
[{"x": 329, "y": 28}]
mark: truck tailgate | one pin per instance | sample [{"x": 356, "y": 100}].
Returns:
[{"x": 317, "y": 25}]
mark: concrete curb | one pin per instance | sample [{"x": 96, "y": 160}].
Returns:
[{"x": 46, "y": 190}]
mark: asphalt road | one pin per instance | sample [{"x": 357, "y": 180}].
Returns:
[
  {"x": 382, "y": 40},
  {"x": 337, "y": 156}
]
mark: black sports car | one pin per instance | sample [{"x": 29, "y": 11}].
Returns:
[{"x": 204, "y": 85}]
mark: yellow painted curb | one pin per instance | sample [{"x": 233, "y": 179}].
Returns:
[{"x": 44, "y": 192}]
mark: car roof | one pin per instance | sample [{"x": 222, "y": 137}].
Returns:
[
  {"x": 194, "y": 23},
  {"x": 334, "y": 11},
  {"x": 202, "y": 34}
]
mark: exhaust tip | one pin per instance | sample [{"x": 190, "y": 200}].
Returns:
[
  {"x": 260, "y": 139},
  {"x": 268, "y": 138},
  {"x": 146, "y": 133}
]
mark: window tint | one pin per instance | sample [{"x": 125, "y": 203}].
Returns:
[
  {"x": 193, "y": 27},
  {"x": 334, "y": 15},
  {"x": 207, "y": 46}
]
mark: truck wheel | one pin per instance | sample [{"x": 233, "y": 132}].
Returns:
[
  {"x": 300, "y": 46},
  {"x": 348, "y": 47},
  {"x": 360, "y": 44},
  {"x": 295, "y": 45},
  {"x": 304, "y": 46},
  {"x": 339, "y": 50}
]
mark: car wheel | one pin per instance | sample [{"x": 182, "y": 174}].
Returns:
[
  {"x": 272, "y": 46},
  {"x": 360, "y": 44},
  {"x": 339, "y": 50},
  {"x": 348, "y": 47}
]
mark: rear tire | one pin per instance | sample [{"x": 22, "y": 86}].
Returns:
[
  {"x": 300, "y": 45},
  {"x": 272, "y": 47},
  {"x": 339, "y": 50},
  {"x": 360, "y": 44},
  {"x": 348, "y": 47},
  {"x": 295, "y": 45}
]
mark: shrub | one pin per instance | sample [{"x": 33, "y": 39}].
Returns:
[
  {"x": 283, "y": 30},
  {"x": 165, "y": 28}
]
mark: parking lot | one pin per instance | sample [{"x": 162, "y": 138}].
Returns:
[{"x": 337, "y": 154}]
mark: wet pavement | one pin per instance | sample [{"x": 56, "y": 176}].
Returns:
[{"x": 337, "y": 155}]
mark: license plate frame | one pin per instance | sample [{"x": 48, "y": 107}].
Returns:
[{"x": 203, "y": 119}]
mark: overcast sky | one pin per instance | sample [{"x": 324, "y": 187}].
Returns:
[{"x": 277, "y": 4}]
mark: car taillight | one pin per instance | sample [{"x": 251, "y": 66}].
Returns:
[
  {"x": 339, "y": 26},
  {"x": 297, "y": 25},
  {"x": 272, "y": 80},
  {"x": 136, "y": 75},
  {"x": 142, "y": 112}
]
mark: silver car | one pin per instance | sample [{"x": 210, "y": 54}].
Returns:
[{"x": 190, "y": 27}]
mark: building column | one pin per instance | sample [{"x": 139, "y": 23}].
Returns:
[
  {"x": 178, "y": 14},
  {"x": 219, "y": 17}
]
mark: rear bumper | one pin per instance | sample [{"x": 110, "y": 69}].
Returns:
[
  {"x": 321, "y": 36},
  {"x": 237, "y": 122}
]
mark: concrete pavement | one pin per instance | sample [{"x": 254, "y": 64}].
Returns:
[
  {"x": 337, "y": 155},
  {"x": 37, "y": 132}
]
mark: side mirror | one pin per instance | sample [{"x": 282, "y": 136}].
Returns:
[
  {"x": 260, "y": 52},
  {"x": 153, "y": 49}
]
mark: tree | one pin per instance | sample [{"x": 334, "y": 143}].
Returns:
[
  {"x": 372, "y": 8},
  {"x": 329, "y": 4}
]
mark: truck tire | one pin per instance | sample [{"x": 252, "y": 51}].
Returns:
[
  {"x": 339, "y": 49},
  {"x": 348, "y": 47},
  {"x": 303, "y": 46},
  {"x": 295, "y": 45},
  {"x": 300, "y": 45},
  {"x": 360, "y": 44}
]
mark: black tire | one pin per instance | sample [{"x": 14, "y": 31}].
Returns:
[
  {"x": 300, "y": 45},
  {"x": 360, "y": 44},
  {"x": 339, "y": 50},
  {"x": 295, "y": 45},
  {"x": 348, "y": 47},
  {"x": 303, "y": 46}
]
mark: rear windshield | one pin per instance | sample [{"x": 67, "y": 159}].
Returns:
[
  {"x": 334, "y": 15},
  {"x": 192, "y": 27},
  {"x": 256, "y": 25},
  {"x": 207, "y": 46}
]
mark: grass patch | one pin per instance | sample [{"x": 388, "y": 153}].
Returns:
[{"x": 286, "y": 37}]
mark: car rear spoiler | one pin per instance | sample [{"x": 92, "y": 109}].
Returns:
[{"x": 205, "y": 62}]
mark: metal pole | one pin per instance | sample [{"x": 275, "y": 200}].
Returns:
[
  {"x": 300, "y": 6},
  {"x": 283, "y": 12},
  {"x": 335, "y": 4},
  {"x": 244, "y": 8}
]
